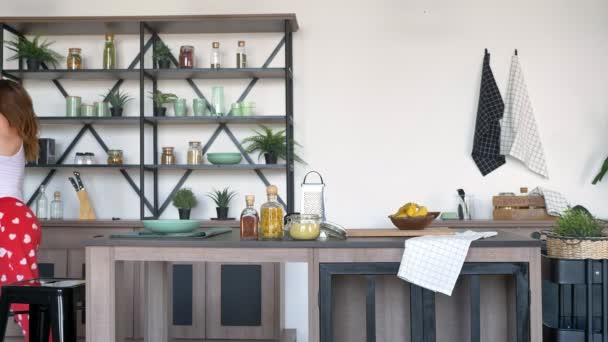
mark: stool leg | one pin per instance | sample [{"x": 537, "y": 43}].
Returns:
[
  {"x": 4, "y": 311},
  {"x": 63, "y": 319},
  {"x": 46, "y": 325},
  {"x": 36, "y": 324}
]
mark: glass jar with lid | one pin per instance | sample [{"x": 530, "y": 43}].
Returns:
[
  {"x": 303, "y": 226},
  {"x": 89, "y": 158},
  {"x": 167, "y": 157},
  {"x": 74, "y": 61},
  {"x": 271, "y": 216},
  {"x": 115, "y": 157},
  {"x": 195, "y": 153},
  {"x": 79, "y": 158},
  {"x": 186, "y": 57}
]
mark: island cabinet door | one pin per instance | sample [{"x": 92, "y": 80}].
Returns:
[
  {"x": 186, "y": 300},
  {"x": 124, "y": 292},
  {"x": 51, "y": 263},
  {"x": 242, "y": 301}
]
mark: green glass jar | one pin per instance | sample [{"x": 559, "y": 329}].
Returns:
[{"x": 109, "y": 52}]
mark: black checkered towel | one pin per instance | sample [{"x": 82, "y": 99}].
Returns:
[{"x": 486, "y": 144}]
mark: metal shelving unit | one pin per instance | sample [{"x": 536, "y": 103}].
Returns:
[{"x": 153, "y": 26}]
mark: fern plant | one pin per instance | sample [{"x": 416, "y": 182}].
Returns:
[
  {"x": 159, "y": 98},
  {"x": 162, "y": 53},
  {"x": 34, "y": 50},
  {"x": 268, "y": 142},
  {"x": 578, "y": 223},
  {"x": 222, "y": 198}
]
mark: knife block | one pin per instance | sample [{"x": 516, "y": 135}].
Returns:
[
  {"x": 520, "y": 208},
  {"x": 86, "y": 208}
]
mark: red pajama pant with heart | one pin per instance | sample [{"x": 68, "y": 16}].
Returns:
[{"x": 19, "y": 241}]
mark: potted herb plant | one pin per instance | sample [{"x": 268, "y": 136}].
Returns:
[
  {"x": 577, "y": 235},
  {"x": 184, "y": 200},
  {"x": 162, "y": 55},
  {"x": 222, "y": 201},
  {"x": 117, "y": 101},
  {"x": 270, "y": 144},
  {"x": 160, "y": 99},
  {"x": 34, "y": 52}
]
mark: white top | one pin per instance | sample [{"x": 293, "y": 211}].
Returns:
[{"x": 12, "y": 170}]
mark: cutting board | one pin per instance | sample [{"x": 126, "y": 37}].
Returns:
[{"x": 394, "y": 232}]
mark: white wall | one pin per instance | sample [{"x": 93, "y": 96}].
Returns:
[{"x": 385, "y": 99}]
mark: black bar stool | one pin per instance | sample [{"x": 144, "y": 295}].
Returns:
[{"x": 53, "y": 304}]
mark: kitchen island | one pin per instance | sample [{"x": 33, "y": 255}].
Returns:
[{"x": 104, "y": 254}]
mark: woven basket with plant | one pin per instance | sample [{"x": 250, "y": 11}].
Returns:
[{"x": 578, "y": 235}]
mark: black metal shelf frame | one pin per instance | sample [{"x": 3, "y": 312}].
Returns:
[{"x": 155, "y": 75}]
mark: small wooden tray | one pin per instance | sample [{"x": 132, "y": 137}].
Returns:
[{"x": 394, "y": 232}]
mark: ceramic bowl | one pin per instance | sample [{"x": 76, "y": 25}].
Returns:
[
  {"x": 171, "y": 226},
  {"x": 224, "y": 158},
  {"x": 414, "y": 223}
]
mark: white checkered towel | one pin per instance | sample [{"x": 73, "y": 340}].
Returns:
[
  {"x": 434, "y": 261},
  {"x": 555, "y": 202},
  {"x": 519, "y": 135}
]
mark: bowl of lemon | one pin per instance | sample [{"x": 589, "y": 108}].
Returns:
[{"x": 413, "y": 216}]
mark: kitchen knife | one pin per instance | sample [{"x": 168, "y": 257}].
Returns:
[
  {"x": 78, "y": 180},
  {"x": 73, "y": 181}
]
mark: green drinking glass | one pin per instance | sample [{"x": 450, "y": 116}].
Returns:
[
  {"x": 87, "y": 110},
  {"x": 217, "y": 100},
  {"x": 179, "y": 107},
  {"x": 236, "y": 109},
  {"x": 199, "y": 107},
  {"x": 72, "y": 105},
  {"x": 102, "y": 109},
  {"x": 248, "y": 108}
]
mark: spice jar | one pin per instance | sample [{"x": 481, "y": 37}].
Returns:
[
  {"x": 241, "y": 55},
  {"x": 79, "y": 158},
  {"x": 74, "y": 59},
  {"x": 186, "y": 57},
  {"x": 216, "y": 56},
  {"x": 89, "y": 158},
  {"x": 167, "y": 158},
  {"x": 195, "y": 153},
  {"x": 303, "y": 226},
  {"x": 115, "y": 157}
]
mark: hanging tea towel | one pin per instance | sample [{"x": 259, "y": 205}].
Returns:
[
  {"x": 519, "y": 132},
  {"x": 486, "y": 143},
  {"x": 555, "y": 202},
  {"x": 434, "y": 262}
]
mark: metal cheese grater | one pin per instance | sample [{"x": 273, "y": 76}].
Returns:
[{"x": 313, "y": 197}]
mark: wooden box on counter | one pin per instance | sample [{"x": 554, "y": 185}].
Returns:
[{"x": 520, "y": 208}]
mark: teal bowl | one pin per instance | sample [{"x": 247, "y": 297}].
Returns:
[
  {"x": 224, "y": 158},
  {"x": 171, "y": 226}
]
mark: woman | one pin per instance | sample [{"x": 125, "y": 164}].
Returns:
[{"x": 19, "y": 227}]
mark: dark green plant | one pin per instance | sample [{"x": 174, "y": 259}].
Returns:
[
  {"x": 267, "y": 141},
  {"x": 33, "y": 50},
  {"x": 602, "y": 172},
  {"x": 184, "y": 199},
  {"x": 162, "y": 52},
  {"x": 118, "y": 99},
  {"x": 161, "y": 98},
  {"x": 578, "y": 223},
  {"x": 222, "y": 198}
]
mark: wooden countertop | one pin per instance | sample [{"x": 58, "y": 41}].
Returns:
[{"x": 232, "y": 240}]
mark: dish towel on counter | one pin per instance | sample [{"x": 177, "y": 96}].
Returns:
[
  {"x": 555, "y": 202},
  {"x": 486, "y": 143},
  {"x": 519, "y": 132},
  {"x": 435, "y": 261}
]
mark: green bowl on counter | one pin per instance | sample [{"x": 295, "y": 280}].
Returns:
[
  {"x": 171, "y": 226},
  {"x": 224, "y": 158}
]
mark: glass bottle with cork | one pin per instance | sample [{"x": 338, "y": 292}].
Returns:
[
  {"x": 109, "y": 52},
  {"x": 271, "y": 221},
  {"x": 249, "y": 220},
  {"x": 57, "y": 207},
  {"x": 216, "y": 57},
  {"x": 241, "y": 55},
  {"x": 42, "y": 204}
]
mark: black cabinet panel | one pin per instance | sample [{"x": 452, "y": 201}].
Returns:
[
  {"x": 46, "y": 270},
  {"x": 182, "y": 294},
  {"x": 241, "y": 295}
]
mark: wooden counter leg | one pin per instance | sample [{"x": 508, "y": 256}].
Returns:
[
  {"x": 156, "y": 297},
  {"x": 100, "y": 301},
  {"x": 536, "y": 305},
  {"x": 313, "y": 296}
]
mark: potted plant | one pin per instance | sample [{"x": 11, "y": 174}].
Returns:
[
  {"x": 162, "y": 55},
  {"x": 160, "y": 99},
  {"x": 34, "y": 52},
  {"x": 270, "y": 144},
  {"x": 222, "y": 201},
  {"x": 117, "y": 101},
  {"x": 578, "y": 235},
  {"x": 184, "y": 200}
]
